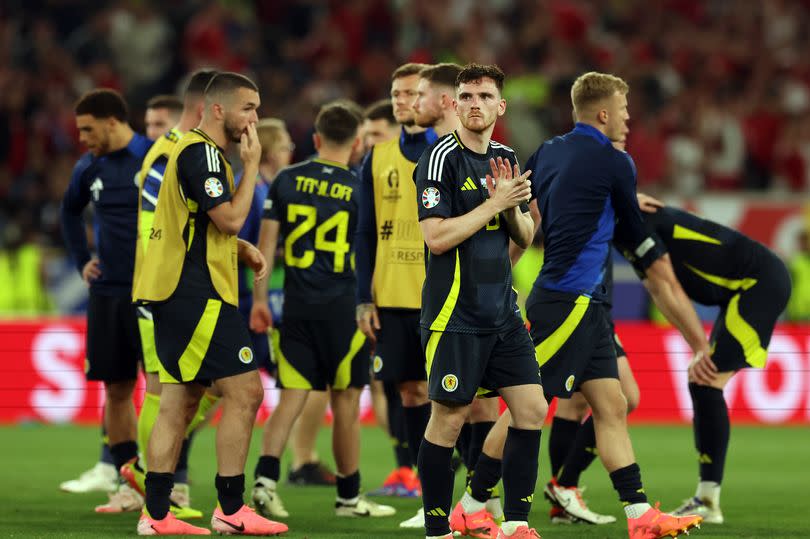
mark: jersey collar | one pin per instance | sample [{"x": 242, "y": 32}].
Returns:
[
  {"x": 204, "y": 135},
  {"x": 590, "y": 131},
  {"x": 329, "y": 163}
]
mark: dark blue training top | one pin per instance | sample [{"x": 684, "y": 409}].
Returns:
[
  {"x": 582, "y": 185},
  {"x": 110, "y": 182},
  {"x": 250, "y": 233},
  {"x": 365, "y": 245}
]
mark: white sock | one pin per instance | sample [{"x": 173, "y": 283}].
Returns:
[
  {"x": 709, "y": 491},
  {"x": 266, "y": 482},
  {"x": 470, "y": 504},
  {"x": 435, "y": 536},
  {"x": 510, "y": 526},
  {"x": 348, "y": 501},
  {"x": 635, "y": 510},
  {"x": 494, "y": 506}
]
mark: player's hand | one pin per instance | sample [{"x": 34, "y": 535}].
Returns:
[
  {"x": 254, "y": 259},
  {"x": 648, "y": 204},
  {"x": 506, "y": 185},
  {"x": 702, "y": 369},
  {"x": 91, "y": 271},
  {"x": 368, "y": 321},
  {"x": 260, "y": 318},
  {"x": 249, "y": 148}
]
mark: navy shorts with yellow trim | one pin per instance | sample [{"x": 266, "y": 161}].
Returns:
[
  {"x": 573, "y": 342},
  {"x": 743, "y": 329},
  {"x": 617, "y": 342},
  {"x": 462, "y": 366},
  {"x": 399, "y": 356},
  {"x": 113, "y": 346},
  {"x": 146, "y": 328},
  {"x": 200, "y": 340},
  {"x": 315, "y": 354}
]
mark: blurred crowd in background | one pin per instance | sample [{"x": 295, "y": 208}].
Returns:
[{"x": 720, "y": 89}]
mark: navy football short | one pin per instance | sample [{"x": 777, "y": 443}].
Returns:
[
  {"x": 462, "y": 366},
  {"x": 574, "y": 342}
]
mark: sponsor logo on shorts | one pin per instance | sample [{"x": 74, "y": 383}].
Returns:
[
  {"x": 213, "y": 187},
  {"x": 450, "y": 383},
  {"x": 430, "y": 197},
  {"x": 245, "y": 354},
  {"x": 377, "y": 364},
  {"x": 569, "y": 383}
]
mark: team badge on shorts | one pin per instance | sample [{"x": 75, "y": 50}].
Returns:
[
  {"x": 569, "y": 383},
  {"x": 213, "y": 187},
  {"x": 430, "y": 197},
  {"x": 377, "y": 364},
  {"x": 245, "y": 354},
  {"x": 449, "y": 383}
]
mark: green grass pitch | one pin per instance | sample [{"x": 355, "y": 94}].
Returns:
[{"x": 765, "y": 494}]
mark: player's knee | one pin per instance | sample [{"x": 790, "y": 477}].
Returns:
[
  {"x": 448, "y": 419},
  {"x": 250, "y": 397},
  {"x": 611, "y": 408},
  {"x": 530, "y": 415}
]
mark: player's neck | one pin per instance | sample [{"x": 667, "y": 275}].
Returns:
[
  {"x": 335, "y": 154},
  {"x": 188, "y": 121},
  {"x": 447, "y": 125},
  {"x": 476, "y": 141},
  {"x": 598, "y": 127},
  {"x": 120, "y": 137},
  {"x": 215, "y": 132},
  {"x": 413, "y": 129}
]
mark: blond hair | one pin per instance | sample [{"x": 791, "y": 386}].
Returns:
[
  {"x": 593, "y": 87},
  {"x": 269, "y": 131}
]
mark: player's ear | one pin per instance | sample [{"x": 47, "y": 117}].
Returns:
[
  {"x": 218, "y": 110},
  {"x": 602, "y": 116},
  {"x": 316, "y": 140},
  {"x": 502, "y": 107}
]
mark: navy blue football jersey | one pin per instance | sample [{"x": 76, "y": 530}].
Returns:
[{"x": 316, "y": 204}]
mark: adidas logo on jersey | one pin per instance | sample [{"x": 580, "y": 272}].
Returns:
[{"x": 469, "y": 185}]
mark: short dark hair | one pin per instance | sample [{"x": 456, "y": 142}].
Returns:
[
  {"x": 353, "y": 107},
  {"x": 442, "y": 74},
  {"x": 474, "y": 72},
  {"x": 198, "y": 81},
  {"x": 406, "y": 70},
  {"x": 337, "y": 123},
  {"x": 381, "y": 110},
  {"x": 102, "y": 103},
  {"x": 227, "y": 82},
  {"x": 171, "y": 102}
]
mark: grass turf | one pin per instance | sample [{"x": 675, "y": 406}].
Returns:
[{"x": 764, "y": 494}]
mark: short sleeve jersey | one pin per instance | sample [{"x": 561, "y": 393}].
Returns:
[
  {"x": 316, "y": 204},
  {"x": 201, "y": 173},
  {"x": 711, "y": 261},
  {"x": 468, "y": 289}
]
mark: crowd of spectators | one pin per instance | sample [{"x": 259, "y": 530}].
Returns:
[{"x": 720, "y": 89}]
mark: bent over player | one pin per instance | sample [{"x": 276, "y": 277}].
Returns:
[{"x": 717, "y": 266}]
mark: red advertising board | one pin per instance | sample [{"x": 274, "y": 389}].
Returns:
[{"x": 43, "y": 376}]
